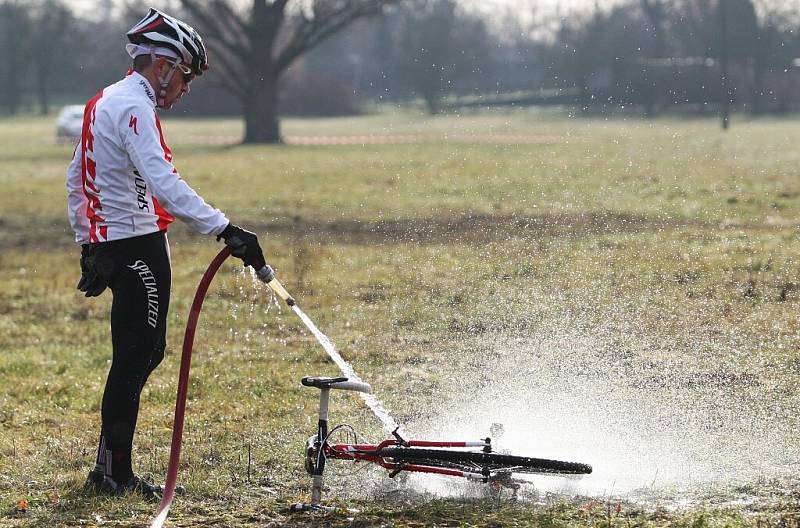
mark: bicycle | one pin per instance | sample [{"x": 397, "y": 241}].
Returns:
[{"x": 474, "y": 461}]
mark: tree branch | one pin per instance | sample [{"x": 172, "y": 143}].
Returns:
[
  {"x": 213, "y": 25},
  {"x": 232, "y": 86},
  {"x": 222, "y": 7},
  {"x": 325, "y": 23}
]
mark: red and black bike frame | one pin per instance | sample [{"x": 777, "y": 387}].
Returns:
[
  {"x": 319, "y": 450},
  {"x": 372, "y": 453}
]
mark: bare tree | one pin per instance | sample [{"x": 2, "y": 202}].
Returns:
[
  {"x": 429, "y": 49},
  {"x": 654, "y": 10},
  {"x": 254, "y": 47},
  {"x": 724, "y": 55},
  {"x": 51, "y": 25},
  {"x": 15, "y": 36},
  {"x": 427, "y": 45}
]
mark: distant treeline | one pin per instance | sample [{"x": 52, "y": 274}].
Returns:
[{"x": 652, "y": 56}]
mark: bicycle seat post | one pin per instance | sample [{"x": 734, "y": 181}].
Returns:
[{"x": 322, "y": 433}]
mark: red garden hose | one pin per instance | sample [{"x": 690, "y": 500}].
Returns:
[{"x": 183, "y": 386}]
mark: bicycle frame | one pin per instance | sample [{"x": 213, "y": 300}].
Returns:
[
  {"x": 371, "y": 453},
  {"x": 399, "y": 454}
]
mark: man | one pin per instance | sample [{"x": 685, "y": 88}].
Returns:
[{"x": 123, "y": 192}]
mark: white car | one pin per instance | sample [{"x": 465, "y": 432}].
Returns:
[{"x": 70, "y": 123}]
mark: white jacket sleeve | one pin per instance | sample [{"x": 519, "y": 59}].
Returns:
[
  {"x": 143, "y": 144},
  {"x": 76, "y": 199}
]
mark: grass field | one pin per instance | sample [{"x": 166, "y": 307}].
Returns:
[{"x": 619, "y": 292}]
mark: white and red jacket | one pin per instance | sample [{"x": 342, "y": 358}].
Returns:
[{"x": 121, "y": 182}]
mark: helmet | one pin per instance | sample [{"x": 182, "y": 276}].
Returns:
[{"x": 162, "y": 30}]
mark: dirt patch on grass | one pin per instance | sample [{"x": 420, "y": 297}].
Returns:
[
  {"x": 473, "y": 228},
  {"x": 467, "y": 228}
]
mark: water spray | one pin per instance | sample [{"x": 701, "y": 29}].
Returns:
[{"x": 266, "y": 275}]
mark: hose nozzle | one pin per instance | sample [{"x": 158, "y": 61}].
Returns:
[{"x": 267, "y": 276}]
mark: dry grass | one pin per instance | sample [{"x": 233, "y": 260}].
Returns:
[{"x": 671, "y": 232}]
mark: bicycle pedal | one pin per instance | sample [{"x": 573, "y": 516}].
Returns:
[{"x": 397, "y": 470}]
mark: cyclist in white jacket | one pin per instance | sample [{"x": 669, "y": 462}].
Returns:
[{"x": 123, "y": 193}]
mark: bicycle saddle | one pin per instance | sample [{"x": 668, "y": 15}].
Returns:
[
  {"x": 335, "y": 383},
  {"x": 320, "y": 381}
]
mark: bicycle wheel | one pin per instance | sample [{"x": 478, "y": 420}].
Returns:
[{"x": 477, "y": 460}]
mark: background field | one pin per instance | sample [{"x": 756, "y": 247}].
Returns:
[{"x": 619, "y": 292}]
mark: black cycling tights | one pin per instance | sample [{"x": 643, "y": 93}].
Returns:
[{"x": 140, "y": 282}]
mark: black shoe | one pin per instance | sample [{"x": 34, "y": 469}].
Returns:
[
  {"x": 135, "y": 484},
  {"x": 94, "y": 481}
]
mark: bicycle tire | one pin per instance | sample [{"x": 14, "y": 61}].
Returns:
[{"x": 480, "y": 460}]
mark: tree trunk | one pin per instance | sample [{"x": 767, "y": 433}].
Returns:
[
  {"x": 650, "y": 96},
  {"x": 12, "y": 96},
  {"x": 760, "y": 65},
  {"x": 432, "y": 102},
  {"x": 43, "y": 89},
  {"x": 653, "y": 76},
  {"x": 261, "y": 111},
  {"x": 725, "y": 101}
]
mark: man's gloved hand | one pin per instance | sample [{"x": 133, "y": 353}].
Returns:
[
  {"x": 92, "y": 282},
  {"x": 245, "y": 246}
]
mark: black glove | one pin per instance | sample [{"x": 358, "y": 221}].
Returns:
[
  {"x": 95, "y": 271},
  {"x": 245, "y": 246}
]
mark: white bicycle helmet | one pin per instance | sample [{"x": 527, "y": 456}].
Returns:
[{"x": 162, "y": 30}]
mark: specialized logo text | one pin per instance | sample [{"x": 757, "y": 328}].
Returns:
[
  {"x": 141, "y": 191},
  {"x": 149, "y": 282},
  {"x": 147, "y": 91}
]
